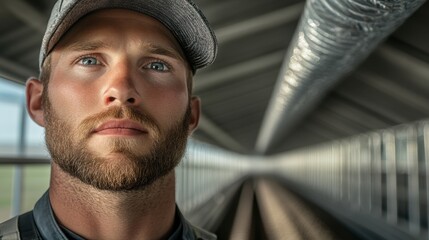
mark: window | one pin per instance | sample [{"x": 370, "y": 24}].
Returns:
[{"x": 19, "y": 136}]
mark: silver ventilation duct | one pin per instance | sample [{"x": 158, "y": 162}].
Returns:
[{"x": 333, "y": 37}]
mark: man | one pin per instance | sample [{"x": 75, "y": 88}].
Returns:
[{"x": 114, "y": 96}]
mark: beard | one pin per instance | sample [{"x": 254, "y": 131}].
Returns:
[{"x": 133, "y": 167}]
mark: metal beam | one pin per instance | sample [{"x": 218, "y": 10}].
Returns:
[
  {"x": 16, "y": 68},
  {"x": 220, "y": 135},
  {"x": 17, "y": 33},
  {"x": 227, "y": 74},
  {"x": 390, "y": 88},
  {"x": 10, "y": 77},
  {"x": 319, "y": 57},
  {"x": 23, "y": 45},
  {"x": 257, "y": 24},
  {"x": 418, "y": 69},
  {"x": 23, "y": 160},
  {"x": 27, "y": 14}
]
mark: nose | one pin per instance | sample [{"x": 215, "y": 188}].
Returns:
[{"x": 120, "y": 88}]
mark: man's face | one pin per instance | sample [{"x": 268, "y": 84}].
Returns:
[{"x": 116, "y": 109}]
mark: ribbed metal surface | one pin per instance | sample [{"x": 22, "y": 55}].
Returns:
[
  {"x": 378, "y": 176},
  {"x": 332, "y": 38},
  {"x": 388, "y": 88}
]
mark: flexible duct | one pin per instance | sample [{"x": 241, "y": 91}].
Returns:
[{"x": 332, "y": 38}]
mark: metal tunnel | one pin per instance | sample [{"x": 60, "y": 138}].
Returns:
[{"x": 314, "y": 120}]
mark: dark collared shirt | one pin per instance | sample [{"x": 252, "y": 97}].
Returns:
[{"x": 48, "y": 228}]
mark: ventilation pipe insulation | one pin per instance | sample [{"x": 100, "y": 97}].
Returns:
[{"x": 332, "y": 38}]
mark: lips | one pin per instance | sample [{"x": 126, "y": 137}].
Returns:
[{"x": 120, "y": 127}]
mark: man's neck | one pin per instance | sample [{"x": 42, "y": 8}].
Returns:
[{"x": 98, "y": 214}]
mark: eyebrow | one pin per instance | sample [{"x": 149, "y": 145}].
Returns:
[
  {"x": 150, "y": 47},
  {"x": 156, "y": 49},
  {"x": 87, "y": 46}
]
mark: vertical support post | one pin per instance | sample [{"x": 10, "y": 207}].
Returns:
[
  {"x": 376, "y": 173},
  {"x": 332, "y": 171},
  {"x": 341, "y": 170},
  {"x": 337, "y": 170},
  {"x": 349, "y": 171},
  {"x": 426, "y": 152},
  {"x": 17, "y": 186},
  {"x": 179, "y": 180},
  {"x": 186, "y": 202},
  {"x": 413, "y": 181},
  {"x": 358, "y": 165},
  {"x": 391, "y": 182},
  {"x": 18, "y": 175},
  {"x": 366, "y": 172}
]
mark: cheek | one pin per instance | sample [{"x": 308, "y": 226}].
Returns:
[
  {"x": 170, "y": 106},
  {"x": 70, "y": 99},
  {"x": 166, "y": 99}
]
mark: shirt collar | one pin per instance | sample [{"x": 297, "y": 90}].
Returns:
[
  {"x": 45, "y": 220},
  {"x": 49, "y": 229}
]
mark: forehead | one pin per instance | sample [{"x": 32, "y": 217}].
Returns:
[{"x": 129, "y": 24}]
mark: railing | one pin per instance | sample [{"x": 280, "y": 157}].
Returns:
[
  {"x": 201, "y": 176},
  {"x": 206, "y": 181},
  {"x": 384, "y": 174}
]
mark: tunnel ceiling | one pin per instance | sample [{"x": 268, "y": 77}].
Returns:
[{"x": 389, "y": 88}]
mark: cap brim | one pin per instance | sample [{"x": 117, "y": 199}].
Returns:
[{"x": 181, "y": 17}]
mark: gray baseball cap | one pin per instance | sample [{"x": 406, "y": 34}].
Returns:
[{"x": 182, "y": 17}]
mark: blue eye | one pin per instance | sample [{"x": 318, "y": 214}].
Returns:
[
  {"x": 157, "y": 66},
  {"x": 88, "y": 61}
]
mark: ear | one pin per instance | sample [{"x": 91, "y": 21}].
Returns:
[
  {"x": 195, "y": 114},
  {"x": 33, "y": 91}
]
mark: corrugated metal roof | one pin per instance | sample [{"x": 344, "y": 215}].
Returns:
[{"x": 391, "y": 87}]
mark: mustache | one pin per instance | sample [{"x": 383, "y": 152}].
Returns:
[{"x": 89, "y": 124}]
